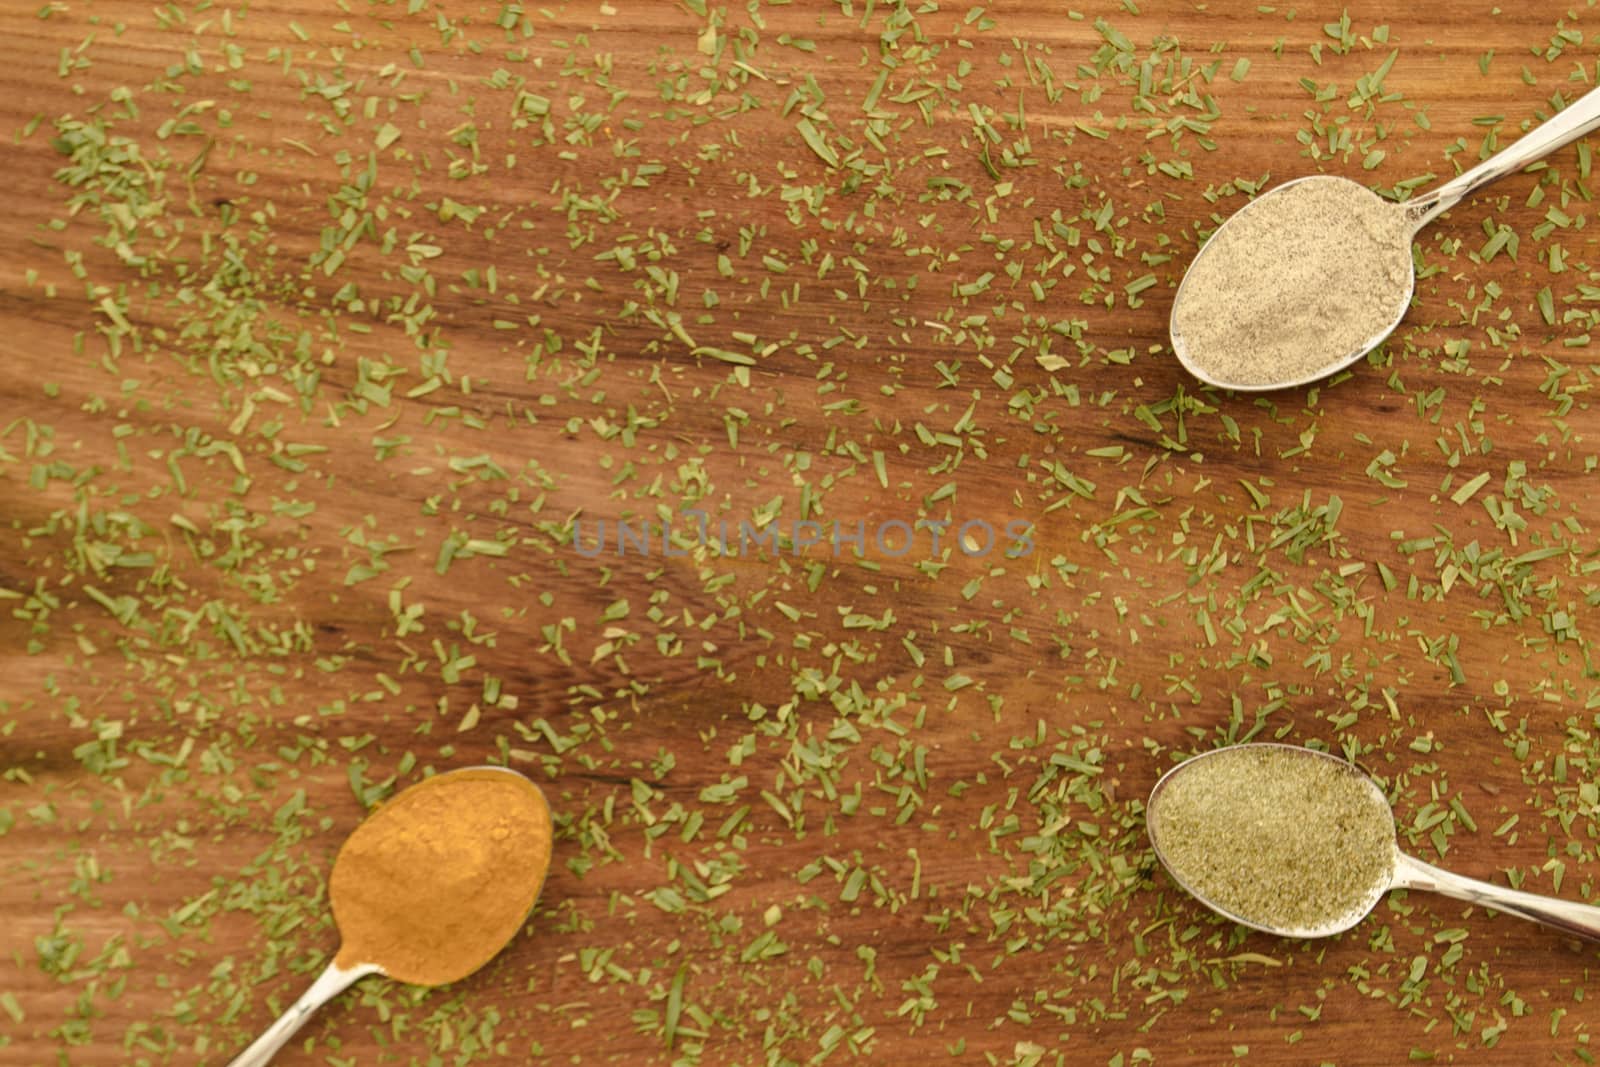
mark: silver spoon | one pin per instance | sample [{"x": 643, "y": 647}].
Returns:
[
  {"x": 1325, "y": 355},
  {"x": 356, "y": 964},
  {"x": 1400, "y": 872}
]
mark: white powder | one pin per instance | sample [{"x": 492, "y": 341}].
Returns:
[{"x": 1294, "y": 284}]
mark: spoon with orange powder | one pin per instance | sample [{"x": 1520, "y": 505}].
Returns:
[{"x": 429, "y": 887}]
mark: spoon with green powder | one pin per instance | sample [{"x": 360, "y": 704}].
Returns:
[
  {"x": 1311, "y": 276},
  {"x": 1299, "y": 843}
]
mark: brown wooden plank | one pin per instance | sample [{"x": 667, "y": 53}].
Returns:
[{"x": 1306, "y": 564}]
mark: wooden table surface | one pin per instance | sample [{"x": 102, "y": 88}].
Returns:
[{"x": 356, "y": 358}]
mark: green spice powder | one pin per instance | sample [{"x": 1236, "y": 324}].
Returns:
[{"x": 1278, "y": 837}]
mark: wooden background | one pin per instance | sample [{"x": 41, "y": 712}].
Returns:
[{"x": 327, "y": 329}]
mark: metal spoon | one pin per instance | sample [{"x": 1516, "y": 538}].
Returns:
[
  {"x": 337, "y": 977},
  {"x": 1579, "y": 118},
  {"x": 1406, "y": 872}
]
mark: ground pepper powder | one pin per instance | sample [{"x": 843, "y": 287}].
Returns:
[
  {"x": 435, "y": 881},
  {"x": 1294, "y": 284}
]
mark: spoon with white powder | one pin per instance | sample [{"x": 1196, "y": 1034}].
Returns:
[{"x": 1310, "y": 277}]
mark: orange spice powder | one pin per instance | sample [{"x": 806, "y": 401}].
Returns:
[{"x": 435, "y": 881}]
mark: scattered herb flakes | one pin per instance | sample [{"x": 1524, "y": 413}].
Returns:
[{"x": 763, "y": 431}]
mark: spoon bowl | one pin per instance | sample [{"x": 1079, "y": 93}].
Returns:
[
  {"x": 373, "y": 892},
  {"x": 1390, "y": 869},
  {"x": 1327, "y": 307},
  {"x": 1341, "y": 248}
]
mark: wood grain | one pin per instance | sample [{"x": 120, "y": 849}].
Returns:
[{"x": 812, "y": 805}]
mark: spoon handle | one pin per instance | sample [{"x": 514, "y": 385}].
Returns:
[
  {"x": 330, "y": 983},
  {"x": 1568, "y": 916},
  {"x": 1567, "y": 125}
]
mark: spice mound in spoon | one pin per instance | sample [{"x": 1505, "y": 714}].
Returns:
[
  {"x": 1295, "y": 285},
  {"x": 1284, "y": 839},
  {"x": 435, "y": 881}
]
